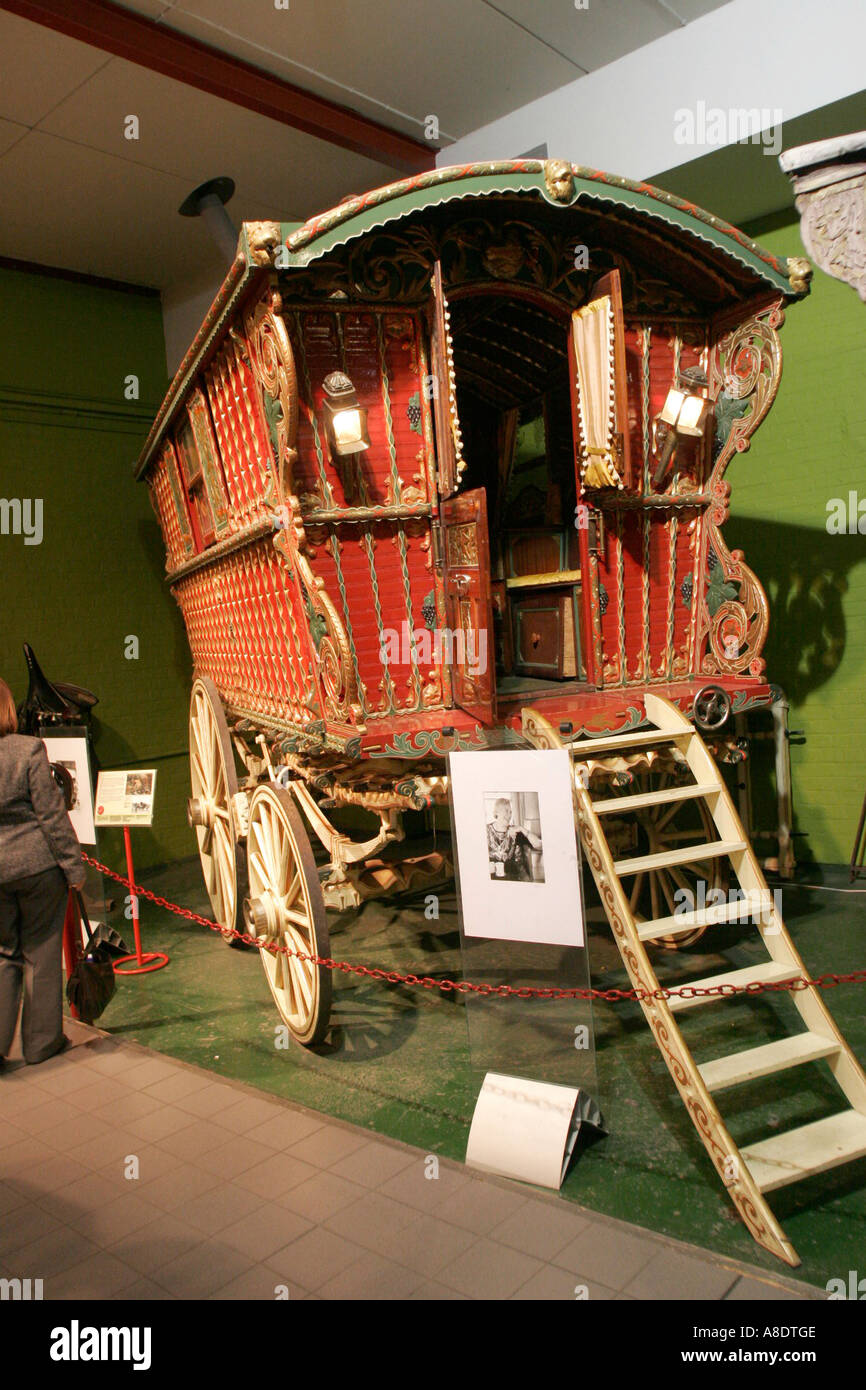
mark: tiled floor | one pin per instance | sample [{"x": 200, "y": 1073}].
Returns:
[{"x": 127, "y": 1176}]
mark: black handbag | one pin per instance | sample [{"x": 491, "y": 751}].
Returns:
[{"x": 91, "y": 986}]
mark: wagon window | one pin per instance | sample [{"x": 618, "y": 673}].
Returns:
[{"x": 196, "y": 489}]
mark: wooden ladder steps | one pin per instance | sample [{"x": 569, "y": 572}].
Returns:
[
  {"x": 766, "y": 1060},
  {"x": 689, "y": 854},
  {"x": 736, "y": 911},
  {"x": 770, "y": 972},
  {"x": 810, "y": 1149},
  {"x": 617, "y": 804},
  {"x": 617, "y": 741}
]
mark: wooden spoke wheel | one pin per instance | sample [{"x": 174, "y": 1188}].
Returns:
[
  {"x": 214, "y": 783},
  {"x": 663, "y": 892},
  {"x": 286, "y": 908}
]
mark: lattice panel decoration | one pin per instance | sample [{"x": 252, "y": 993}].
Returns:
[
  {"x": 243, "y": 633},
  {"x": 167, "y": 499}
]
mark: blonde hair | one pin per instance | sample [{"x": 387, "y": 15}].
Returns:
[{"x": 8, "y": 716}]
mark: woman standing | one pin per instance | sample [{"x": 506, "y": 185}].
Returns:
[{"x": 40, "y": 859}]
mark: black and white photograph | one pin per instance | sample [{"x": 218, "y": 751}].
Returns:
[
  {"x": 71, "y": 752},
  {"x": 517, "y": 857},
  {"x": 514, "y": 847},
  {"x": 71, "y": 768}
]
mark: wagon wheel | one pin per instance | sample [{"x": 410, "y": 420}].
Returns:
[
  {"x": 672, "y": 825},
  {"x": 214, "y": 783},
  {"x": 286, "y": 908}
]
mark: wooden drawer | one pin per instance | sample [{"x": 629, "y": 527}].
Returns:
[{"x": 545, "y": 633}]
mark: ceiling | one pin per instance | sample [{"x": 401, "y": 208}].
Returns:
[{"x": 78, "y": 195}]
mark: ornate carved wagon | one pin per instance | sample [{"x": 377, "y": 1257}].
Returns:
[
  {"x": 444, "y": 469},
  {"x": 513, "y": 524}
]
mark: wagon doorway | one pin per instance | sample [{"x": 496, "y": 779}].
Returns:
[{"x": 511, "y": 373}]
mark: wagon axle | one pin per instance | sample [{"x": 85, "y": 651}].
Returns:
[
  {"x": 199, "y": 812},
  {"x": 265, "y": 915}
]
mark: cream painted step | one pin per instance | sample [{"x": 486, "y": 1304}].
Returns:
[
  {"x": 689, "y": 854},
  {"x": 766, "y": 1060},
  {"x": 617, "y": 804},
  {"x": 619, "y": 741},
  {"x": 770, "y": 972},
  {"x": 810, "y": 1149},
  {"x": 702, "y": 917}
]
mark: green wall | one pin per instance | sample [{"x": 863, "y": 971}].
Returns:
[
  {"x": 68, "y": 436},
  {"x": 811, "y": 448}
]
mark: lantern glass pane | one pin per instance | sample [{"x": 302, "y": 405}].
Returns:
[
  {"x": 672, "y": 406},
  {"x": 691, "y": 413},
  {"x": 347, "y": 427}
]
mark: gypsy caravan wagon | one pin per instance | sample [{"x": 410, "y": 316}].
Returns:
[{"x": 444, "y": 469}]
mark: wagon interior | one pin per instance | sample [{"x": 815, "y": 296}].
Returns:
[{"x": 514, "y": 406}]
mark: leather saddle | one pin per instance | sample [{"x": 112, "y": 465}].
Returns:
[{"x": 51, "y": 702}]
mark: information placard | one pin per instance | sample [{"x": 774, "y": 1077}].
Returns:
[{"x": 125, "y": 798}]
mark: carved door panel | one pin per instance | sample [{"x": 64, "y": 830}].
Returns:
[
  {"x": 603, "y": 468},
  {"x": 468, "y": 646},
  {"x": 442, "y": 389}
]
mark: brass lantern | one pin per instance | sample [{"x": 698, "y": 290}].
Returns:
[
  {"x": 347, "y": 419},
  {"x": 684, "y": 415}
]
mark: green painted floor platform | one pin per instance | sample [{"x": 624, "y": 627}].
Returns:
[{"x": 399, "y": 1061}]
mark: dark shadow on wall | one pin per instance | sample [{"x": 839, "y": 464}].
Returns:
[{"x": 805, "y": 573}]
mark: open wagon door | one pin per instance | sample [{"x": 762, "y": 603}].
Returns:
[
  {"x": 468, "y": 604},
  {"x": 464, "y": 549},
  {"x": 599, "y": 407}
]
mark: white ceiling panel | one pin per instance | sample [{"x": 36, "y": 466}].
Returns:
[
  {"x": 694, "y": 9},
  {"x": 589, "y": 37},
  {"x": 65, "y": 205},
  {"x": 194, "y": 137},
  {"x": 10, "y": 134},
  {"x": 459, "y": 60},
  {"x": 151, "y": 9},
  {"x": 40, "y": 68}
]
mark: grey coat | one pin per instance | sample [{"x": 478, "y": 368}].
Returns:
[{"x": 35, "y": 831}]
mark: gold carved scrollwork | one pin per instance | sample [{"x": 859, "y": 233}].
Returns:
[
  {"x": 559, "y": 180},
  {"x": 263, "y": 238},
  {"x": 273, "y": 364},
  {"x": 746, "y": 367},
  {"x": 462, "y": 544},
  {"x": 799, "y": 273}
]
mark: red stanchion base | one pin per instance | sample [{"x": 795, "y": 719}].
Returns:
[{"x": 150, "y": 960}]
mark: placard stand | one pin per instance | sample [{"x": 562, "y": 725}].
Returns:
[
  {"x": 527, "y": 1129},
  {"x": 144, "y": 961},
  {"x": 536, "y": 1056}
]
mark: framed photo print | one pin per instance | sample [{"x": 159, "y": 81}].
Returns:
[
  {"x": 71, "y": 752},
  {"x": 516, "y": 847}
]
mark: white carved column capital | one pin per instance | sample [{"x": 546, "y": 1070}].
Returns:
[{"x": 829, "y": 179}]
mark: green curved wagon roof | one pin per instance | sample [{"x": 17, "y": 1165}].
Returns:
[
  {"x": 391, "y": 203},
  {"x": 356, "y": 216}
]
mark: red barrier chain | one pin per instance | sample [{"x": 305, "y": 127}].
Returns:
[{"x": 393, "y": 977}]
